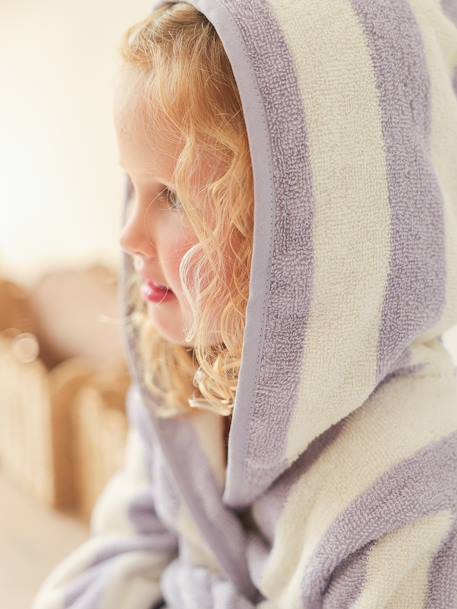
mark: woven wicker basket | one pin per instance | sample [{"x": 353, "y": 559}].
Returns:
[
  {"x": 62, "y": 432},
  {"x": 62, "y": 417}
]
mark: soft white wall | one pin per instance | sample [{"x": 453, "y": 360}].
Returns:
[{"x": 60, "y": 186}]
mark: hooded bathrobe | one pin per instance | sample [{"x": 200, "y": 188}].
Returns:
[{"x": 340, "y": 488}]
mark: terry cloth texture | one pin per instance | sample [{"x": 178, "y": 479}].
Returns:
[{"x": 340, "y": 490}]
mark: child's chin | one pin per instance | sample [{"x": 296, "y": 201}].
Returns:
[{"x": 168, "y": 326}]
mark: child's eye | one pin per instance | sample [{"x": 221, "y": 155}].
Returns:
[{"x": 171, "y": 198}]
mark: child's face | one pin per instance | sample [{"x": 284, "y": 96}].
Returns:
[{"x": 155, "y": 232}]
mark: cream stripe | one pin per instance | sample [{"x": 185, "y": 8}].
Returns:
[
  {"x": 434, "y": 354},
  {"x": 134, "y": 579},
  {"x": 399, "y": 419},
  {"x": 441, "y": 60},
  {"x": 351, "y": 205},
  {"x": 412, "y": 591},
  {"x": 110, "y": 512},
  {"x": 395, "y": 555},
  {"x": 199, "y": 551}
]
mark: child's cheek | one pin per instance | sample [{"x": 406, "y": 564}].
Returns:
[
  {"x": 176, "y": 244},
  {"x": 176, "y": 247}
]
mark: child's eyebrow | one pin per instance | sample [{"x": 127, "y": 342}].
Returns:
[{"x": 151, "y": 177}]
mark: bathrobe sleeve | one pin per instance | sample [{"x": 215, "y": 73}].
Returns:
[
  {"x": 120, "y": 564},
  {"x": 412, "y": 566}
]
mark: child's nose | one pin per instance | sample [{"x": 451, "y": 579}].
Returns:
[{"x": 134, "y": 239}]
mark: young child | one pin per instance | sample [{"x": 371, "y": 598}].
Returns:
[{"x": 291, "y": 185}]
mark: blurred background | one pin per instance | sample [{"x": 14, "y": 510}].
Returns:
[{"x": 63, "y": 372}]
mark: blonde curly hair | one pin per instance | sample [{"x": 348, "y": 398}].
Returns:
[{"x": 180, "y": 68}]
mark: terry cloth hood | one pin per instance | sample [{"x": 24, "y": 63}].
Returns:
[
  {"x": 340, "y": 490},
  {"x": 351, "y": 113}
]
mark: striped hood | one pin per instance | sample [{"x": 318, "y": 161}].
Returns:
[{"x": 351, "y": 113}]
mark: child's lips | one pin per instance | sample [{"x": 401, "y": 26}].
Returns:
[{"x": 156, "y": 293}]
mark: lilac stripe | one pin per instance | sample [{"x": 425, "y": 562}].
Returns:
[
  {"x": 142, "y": 509},
  {"x": 187, "y": 586},
  {"x": 87, "y": 589},
  {"x": 142, "y": 513},
  {"x": 268, "y": 507},
  {"x": 222, "y": 529},
  {"x": 421, "y": 485},
  {"x": 165, "y": 489},
  {"x": 152, "y": 537},
  {"x": 347, "y": 581},
  {"x": 442, "y": 582},
  {"x": 450, "y": 9},
  {"x": 269, "y": 380},
  {"x": 115, "y": 548},
  {"x": 416, "y": 286}
]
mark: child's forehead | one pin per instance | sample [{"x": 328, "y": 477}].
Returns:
[
  {"x": 128, "y": 112},
  {"x": 145, "y": 152},
  {"x": 133, "y": 117},
  {"x": 137, "y": 136}
]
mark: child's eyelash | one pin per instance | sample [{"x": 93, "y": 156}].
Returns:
[{"x": 171, "y": 198}]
